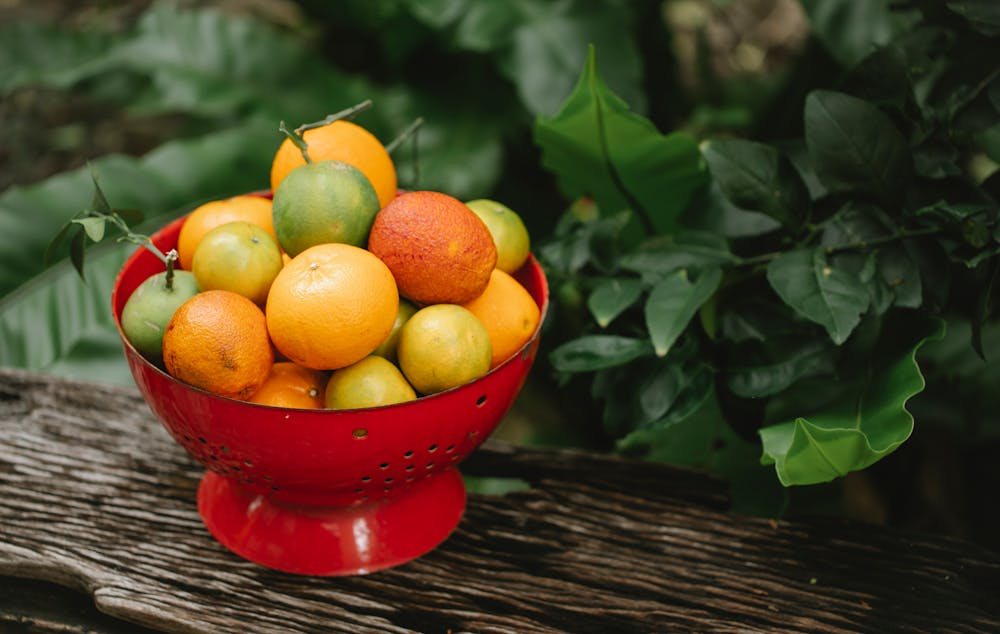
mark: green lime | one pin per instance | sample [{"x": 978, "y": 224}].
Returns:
[
  {"x": 323, "y": 202},
  {"x": 150, "y": 307},
  {"x": 371, "y": 382},
  {"x": 388, "y": 347},
  {"x": 508, "y": 231}
]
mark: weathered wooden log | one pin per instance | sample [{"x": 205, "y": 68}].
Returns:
[{"x": 96, "y": 497}]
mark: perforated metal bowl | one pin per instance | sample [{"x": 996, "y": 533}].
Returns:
[{"x": 326, "y": 492}]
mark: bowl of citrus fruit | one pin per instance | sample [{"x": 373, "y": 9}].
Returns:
[{"x": 330, "y": 349}]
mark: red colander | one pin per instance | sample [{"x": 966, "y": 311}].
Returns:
[{"x": 325, "y": 492}]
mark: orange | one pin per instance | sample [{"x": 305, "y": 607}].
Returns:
[
  {"x": 438, "y": 249},
  {"x": 443, "y": 346},
  {"x": 508, "y": 231},
  {"x": 332, "y": 305},
  {"x": 291, "y": 385},
  {"x": 371, "y": 382},
  {"x": 217, "y": 341},
  {"x": 509, "y": 314},
  {"x": 325, "y": 201},
  {"x": 340, "y": 141},
  {"x": 237, "y": 256},
  {"x": 253, "y": 209}
]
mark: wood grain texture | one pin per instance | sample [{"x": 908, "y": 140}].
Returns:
[{"x": 97, "y": 497}]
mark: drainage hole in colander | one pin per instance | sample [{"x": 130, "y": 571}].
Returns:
[
  {"x": 409, "y": 467},
  {"x": 248, "y": 481},
  {"x": 366, "y": 478},
  {"x": 235, "y": 468},
  {"x": 275, "y": 488},
  {"x": 360, "y": 433},
  {"x": 384, "y": 465},
  {"x": 449, "y": 449},
  {"x": 409, "y": 478},
  {"x": 481, "y": 401},
  {"x": 224, "y": 449},
  {"x": 359, "y": 490},
  {"x": 430, "y": 465},
  {"x": 386, "y": 490},
  {"x": 213, "y": 456},
  {"x": 266, "y": 478},
  {"x": 388, "y": 480},
  {"x": 408, "y": 454},
  {"x": 202, "y": 440},
  {"x": 432, "y": 448},
  {"x": 248, "y": 463},
  {"x": 473, "y": 433},
  {"x": 187, "y": 438}
]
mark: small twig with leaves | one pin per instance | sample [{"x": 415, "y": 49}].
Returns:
[{"x": 92, "y": 223}]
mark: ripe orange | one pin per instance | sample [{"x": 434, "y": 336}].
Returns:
[
  {"x": 340, "y": 141},
  {"x": 217, "y": 341},
  {"x": 508, "y": 231},
  {"x": 371, "y": 382},
  {"x": 237, "y": 256},
  {"x": 509, "y": 314},
  {"x": 331, "y": 306},
  {"x": 439, "y": 250},
  {"x": 291, "y": 385},
  {"x": 324, "y": 201},
  {"x": 253, "y": 209},
  {"x": 443, "y": 346}
]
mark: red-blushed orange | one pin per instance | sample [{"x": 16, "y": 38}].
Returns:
[{"x": 439, "y": 250}]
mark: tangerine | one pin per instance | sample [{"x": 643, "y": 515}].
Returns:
[
  {"x": 237, "y": 256},
  {"x": 253, "y": 209},
  {"x": 325, "y": 201},
  {"x": 443, "y": 346},
  {"x": 508, "y": 231},
  {"x": 509, "y": 313},
  {"x": 332, "y": 305},
  {"x": 217, "y": 341},
  {"x": 291, "y": 385},
  {"x": 340, "y": 141},
  {"x": 439, "y": 250},
  {"x": 371, "y": 382}
]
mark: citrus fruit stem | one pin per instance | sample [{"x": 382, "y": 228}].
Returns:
[
  {"x": 295, "y": 136},
  {"x": 404, "y": 135},
  {"x": 346, "y": 113}
]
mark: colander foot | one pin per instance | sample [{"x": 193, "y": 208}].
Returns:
[{"x": 332, "y": 540}]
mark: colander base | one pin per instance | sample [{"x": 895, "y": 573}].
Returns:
[{"x": 332, "y": 541}]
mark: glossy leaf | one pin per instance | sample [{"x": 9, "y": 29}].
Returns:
[
  {"x": 597, "y": 352},
  {"x": 756, "y": 176},
  {"x": 41, "y": 54},
  {"x": 851, "y": 30},
  {"x": 855, "y": 147},
  {"x": 611, "y": 297},
  {"x": 673, "y": 302},
  {"x": 983, "y": 14},
  {"x": 595, "y": 146},
  {"x": 663, "y": 255},
  {"x": 829, "y": 296},
  {"x": 857, "y": 431}
]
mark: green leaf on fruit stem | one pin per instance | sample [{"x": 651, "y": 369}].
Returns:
[
  {"x": 611, "y": 297},
  {"x": 818, "y": 291},
  {"x": 673, "y": 302},
  {"x": 94, "y": 227},
  {"x": 757, "y": 177},
  {"x": 855, "y": 147},
  {"x": 870, "y": 422},
  {"x": 597, "y": 352},
  {"x": 596, "y": 147}
]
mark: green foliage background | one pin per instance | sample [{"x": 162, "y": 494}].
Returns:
[{"x": 729, "y": 284}]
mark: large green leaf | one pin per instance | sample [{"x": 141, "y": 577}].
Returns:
[
  {"x": 56, "y": 323},
  {"x": 595, "y": 146},
  {"x": 673, "y": 302},
  {"x": 797, "y": 360},
  {"x": 820, "y": 292},
  {"x": 33, "y": 53},
  {"x": 756, "y": 176},
  {"x": 862, "y": 428},
  {"x": 855, "y": 147},
  {"x": 611, "y": 297},
  {"x": 180, "y": 173},
  {"x": 662, "y": 255}
]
